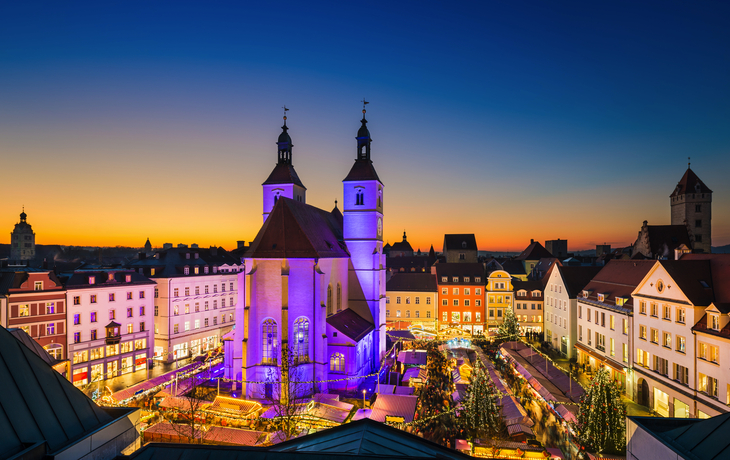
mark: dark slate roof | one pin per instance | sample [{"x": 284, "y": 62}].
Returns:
[
  {"x": 513, "y": 267},
  {"x": 351, "y": 324},
  {"x": 663, "y": 239},
  {"x": 171, "y": 262},
  {"x": 406, "y": 263},
  {"x": 460, "y": 269},
  {"x": 298, "y": 230},
  {"x": 535, "y": 251},
  {"x": 690, "y": 276},
  {"x": 690, "y": 183},
  {"x": 419, "y": 282},
  {"x": 720, "y": 267},
  {"x": 80, "y": 279},
  {"x": 284, "y": 173},
  {"x": 455, "y": 242},
  {"x": 362, "y": 170},
  {"x": 691, "y": 438},
  {"x": 367, "y": 437},
  {"x": 576, "y": 278},
  {"x": 401, "y": 246},
  {"x": 36, "y": 347},
  {"x": 364, "y": 439},
  {"x": 37, "y": 404},
  {"x": 529, "y": 286}
]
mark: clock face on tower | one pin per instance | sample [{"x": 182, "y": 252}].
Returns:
[{"x": 380, "y": 228}]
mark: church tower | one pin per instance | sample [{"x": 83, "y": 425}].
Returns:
[
  {"x": 22, "y": 240},
  {"x": 283, "y": 180},
  {"x": 363, "y": 232},
  {"x": 691, "y": 205}
]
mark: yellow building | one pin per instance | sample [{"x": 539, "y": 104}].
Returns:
[{"x": 499, "y": 297}]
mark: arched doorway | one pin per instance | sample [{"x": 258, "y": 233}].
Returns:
[{"x": 642, "y": 393}]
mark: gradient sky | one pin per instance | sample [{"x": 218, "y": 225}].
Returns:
[{"x": 508, "y": 119}]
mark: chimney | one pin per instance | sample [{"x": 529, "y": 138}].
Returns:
[
  {"x": 532, "y": 240},
  {"x": 240, "y": 244},
  {"x": 213, "y": 250}
]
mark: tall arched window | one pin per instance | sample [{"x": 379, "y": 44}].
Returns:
[
  {"x": 300, "y": 346},
  {"x": 337, "y": 362},
  {"x": 270, "y": 341},
  {"x": 339, "y": 297},
  {"x": 329, "y": 300}
]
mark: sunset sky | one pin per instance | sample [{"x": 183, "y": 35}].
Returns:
[{"x": 508, "y": 119}]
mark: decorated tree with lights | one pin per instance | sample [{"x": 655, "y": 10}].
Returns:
[
  {"x": 509, "y": 329},
  {"x": 434, "y": 416},
  {"x": 602, "y": 416},
  {"x": 479, "y": 415}
]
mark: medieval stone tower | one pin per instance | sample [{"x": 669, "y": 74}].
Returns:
[{"x": 691, "y": 205}]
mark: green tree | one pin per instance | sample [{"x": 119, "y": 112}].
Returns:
[
  {"x": 435, "y": 404},
  {"x": 480, "y": 414},
  {"x": 602, "y": 416},
  {"x": 509, "y": 329}
]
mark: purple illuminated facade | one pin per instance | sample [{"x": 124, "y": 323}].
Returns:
[{"x": 314, "y": 282}]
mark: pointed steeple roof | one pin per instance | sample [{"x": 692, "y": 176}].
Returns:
[
  {"x": 690, "y": 183},
  {"x": 284, "y": 172},
  {"x": 363, "y": 168}
]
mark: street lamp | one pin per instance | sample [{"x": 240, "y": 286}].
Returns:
[{"x": 363, "y": 398}]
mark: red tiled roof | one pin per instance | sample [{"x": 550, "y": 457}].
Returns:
[
  {"x": 618, "y": 278},
  {"x": 298, "y": 230},
  {"x": 284, "y": 174},
  {"x": 690, "y": 183}
]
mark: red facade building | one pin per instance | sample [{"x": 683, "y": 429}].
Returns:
[{"x": 35, "y": 301}]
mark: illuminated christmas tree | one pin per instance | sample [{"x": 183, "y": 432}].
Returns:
[
  {"x": 602, "y": 416},
  {"x": 509, "y": 329},
  {"x": 435, "y": 402},
  {"x": 480, "y": 415}
]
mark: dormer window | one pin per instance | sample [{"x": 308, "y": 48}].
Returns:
[
  {"x": 187, "y": 255},
  {"x": 601, "y": 297},
  {"x": 186, "y": 270},
  {"x": 444, "y": 279},
  {"x": 128, "y": 278},
  {"x": 713, "y": 322},
  {"x": 455, "y": 279},
  {"x": 466, "y": 279},
  {"x": 522, "y": 293},
  {"x": 197, "y": 270},
  {"x": 205, "y": 270},
  {"x": 111, "y": 277},
  {"x": 620, "y": 301},
  {"x": 92, "y": 280},
  {"x": 196, "y": 255},
  {"x": 536, "y": 293},
  {"x": 152, "y": 272},
  {"x": 215, "y": 269},
  {"x": 477, "y": 279},
  {"x": 585, "y": 293},
  {"x": 463, "y": 244}
]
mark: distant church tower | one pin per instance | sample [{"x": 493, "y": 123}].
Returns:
[
  {"x": 363, "y": 231},
  {"x": 283, "y": 180},
  {"x": 691, "y": 204},
  {"x": 22, "y": 240}
]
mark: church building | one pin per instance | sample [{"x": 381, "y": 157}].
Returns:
[{"x": 311, "y": 303}]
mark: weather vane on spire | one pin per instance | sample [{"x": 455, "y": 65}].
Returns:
[
  {"x": 364, "y": 103},
  {"x": 688, "y": 158},
  {"x": 285, "y": 111}
]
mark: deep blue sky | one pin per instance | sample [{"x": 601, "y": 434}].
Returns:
[{"x": 507, "y": 119}]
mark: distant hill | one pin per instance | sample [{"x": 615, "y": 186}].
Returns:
[{"x": 721, "y": 249}]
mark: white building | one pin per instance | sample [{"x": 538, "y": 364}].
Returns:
[
  {"x": 562, "y": 288},
  {"x": 605, "y": 317},
  {"x": 681, "y": 335},
  {"x": 110, "y": 320},
  {"x": 195, "y": 299}
]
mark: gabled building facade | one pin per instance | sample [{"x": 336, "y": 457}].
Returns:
[
  {"x": 461, "y": 288},
  {"x": 110, "y": 323},
  {"x": 35, "y": 301},
  {"x": 499, "y": 297},
  {"x": 410, "y": 301},
  {"x": 529, "y": 305}
]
